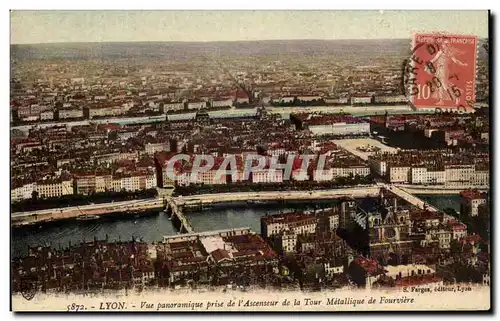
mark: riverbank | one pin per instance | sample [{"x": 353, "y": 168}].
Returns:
[
  {"x": 152, "y": 226},
  {"x": 125, "y": 208},
  {"x": 75, "y": 200},
  {"x": 138, "y": 206},
  {"x": 233, "y": 112},
  {"x": 438, "y": 189},
  {"x": 33, "y": 217}
]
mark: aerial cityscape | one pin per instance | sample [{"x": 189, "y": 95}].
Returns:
[{"x": 298, "y": 165}]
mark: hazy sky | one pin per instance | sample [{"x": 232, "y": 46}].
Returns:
[{"x": 102, "y": 26}]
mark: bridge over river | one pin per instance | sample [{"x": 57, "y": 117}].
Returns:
[{"x": 174, "y": 205}]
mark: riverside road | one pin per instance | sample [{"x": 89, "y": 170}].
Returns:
[{"x": 23, "y": 218}]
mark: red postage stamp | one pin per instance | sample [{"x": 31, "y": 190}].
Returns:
[{"x": 442, "y": 72}]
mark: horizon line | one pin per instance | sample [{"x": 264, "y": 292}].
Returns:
[
  {"x": 199, "y": 41},
  {"x": 211, "y": 41}
]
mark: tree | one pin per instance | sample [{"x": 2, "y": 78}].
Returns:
[
  {"x": 455, "y": 248},
  {"x": 481, "y": 223},
  {"x": 34, "y": 195}
]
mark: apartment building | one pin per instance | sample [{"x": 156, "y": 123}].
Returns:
[
  {"x": 84, "y": 184},
  {"x": 98, "y": 111},
  {"x": 481, "y": 177},
  {"x": 210, "y": 177},
  {"x": 267, "y": 176},
  {"x": 340, "y": 129},
  {"x": 151, "y": 148},
  {"x": 470, "y": 202},
  {"x": 459, "y": 174},
  {"x": 361, "y": 100},
  {"x": 70, "y": 113},
  {"x": 195, "y": 105},
  {"x": 423, "y": 175},
  {"x": 399, "y": 99},
  {"x": 215, "y": 103},
  {"x": 337, "y": 101},
  {"x": 350, "y": 171},
  {"x": 22, "y": 192},
  {"x": 399, "y": 174},
  {"x": 322, "y": 175},
  {"x": 378, "y": 166},
  {"x": 458, "y": 231},
  {"x": 297, "y": 223},
  {"x": 103, "y": 183},
  {"x": 46, "y": 115},
  {"x": 54, "y": 188},
  {"x": 172, "y": 106},
  {"x": 288, "y": 241}
]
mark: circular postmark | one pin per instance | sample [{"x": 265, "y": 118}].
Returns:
[
  {"x": 440, "y": 73},
  {"x": 29, "y": 287}
]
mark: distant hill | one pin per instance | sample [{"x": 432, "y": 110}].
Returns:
[{"x": 181, "y": 50}]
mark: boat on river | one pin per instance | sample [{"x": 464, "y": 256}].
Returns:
[
  {"x": 251, "y": 202},
  {"x": 87, "y": 217}
]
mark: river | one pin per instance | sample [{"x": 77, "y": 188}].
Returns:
[
  {"x": 442, "y": 201},
  {"x": 236, "y": 112},
  {"x": 152, "y": 228}
]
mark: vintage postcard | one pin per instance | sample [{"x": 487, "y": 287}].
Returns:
[{"x": 256, "y": 161}]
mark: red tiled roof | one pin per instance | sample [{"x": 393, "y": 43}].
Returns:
[
  {"x": 288, "y": 218},
  {"x": 109, "y": 127},
  {"x": 459, "y": 227},
  {"x": 241, "y": 94},
  {"x": 419, "y": 215},
  {"x": 472, "y": 239},
  {"x": 472, "y": 194},
  {"x": 319, "y": 119},
  {"x": 219, "y": 255},
  {"x": 163, "y": 157},
  {"x": 370, "y": 266}
]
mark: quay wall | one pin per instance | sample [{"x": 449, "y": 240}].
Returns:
[
  {"x": 23, "y": 218},
  {"x": 438, "y": 190},
  {"x": 371, "y": 190}
]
